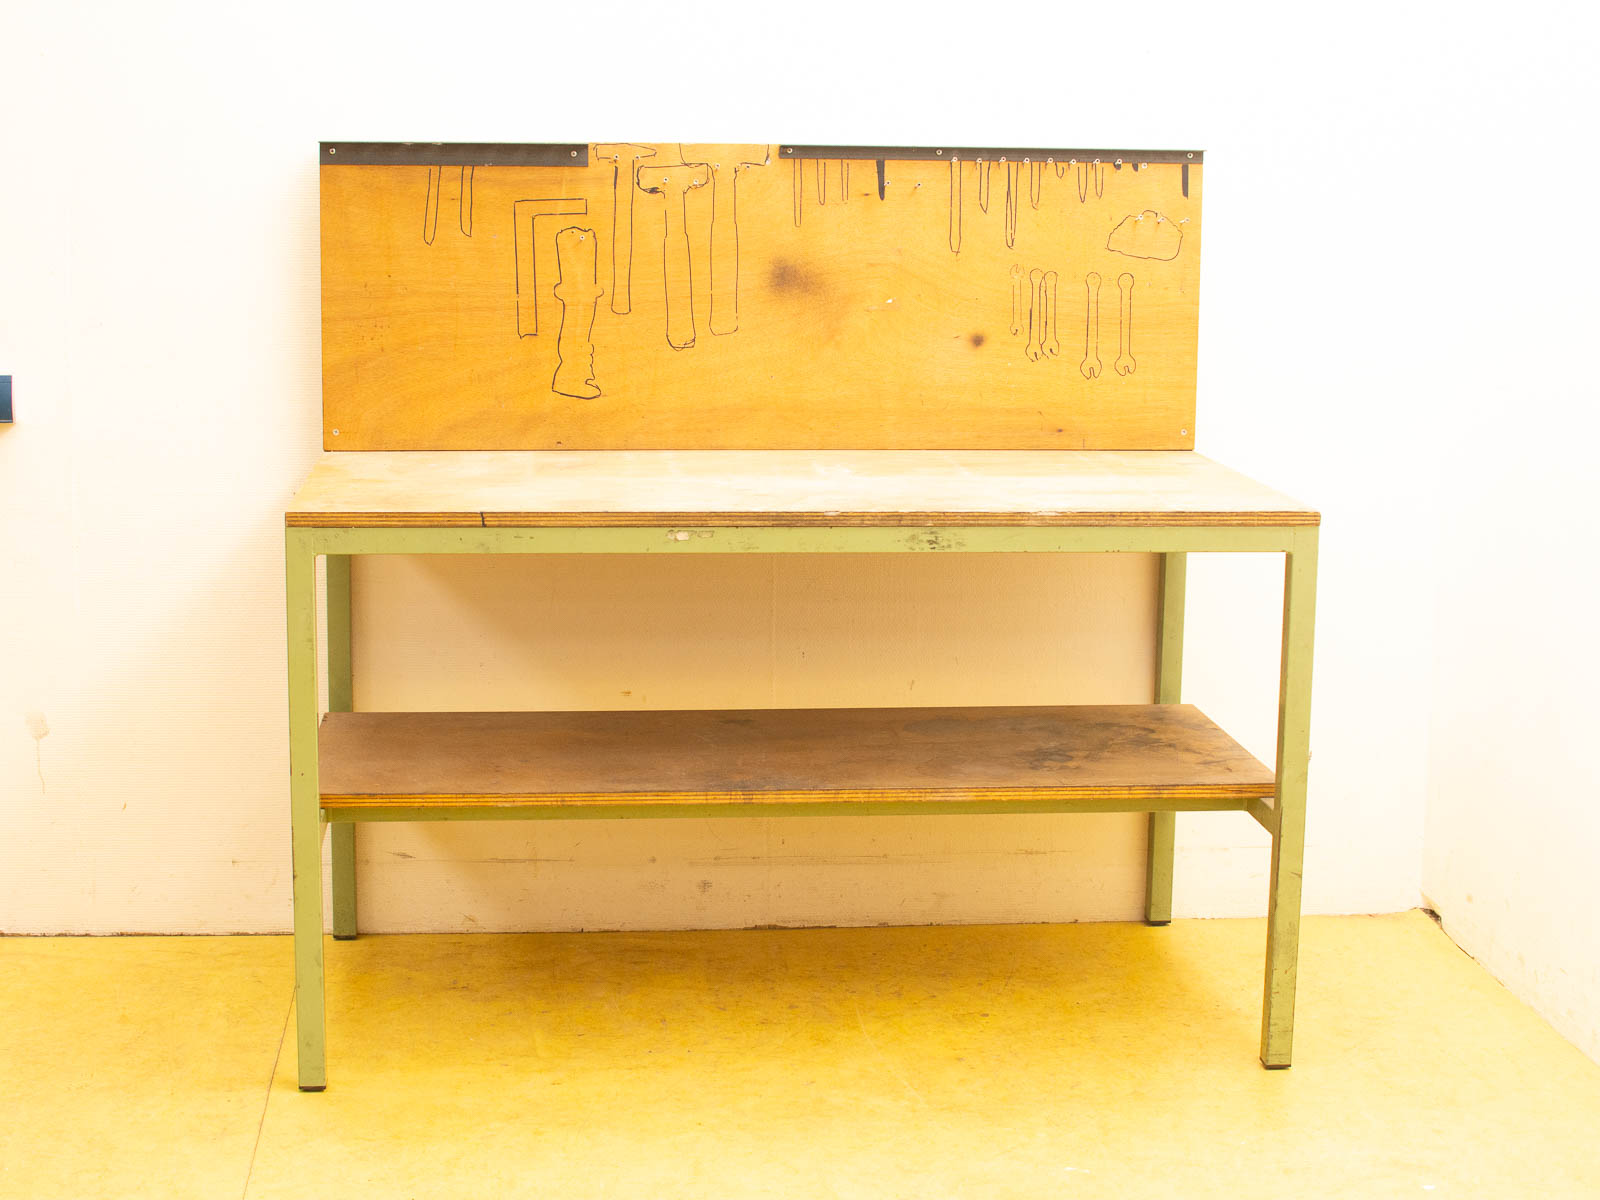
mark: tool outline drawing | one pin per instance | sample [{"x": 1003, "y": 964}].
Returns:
[
  {"x": 955, "y": 206},
  {"x": 430, "y": 212},
  {"x": 1091, "y": 365},
  {"x": 1091, "y": 173},
  {"x": 525, "y": 251},
  {"x": 1149, "y": 235},
  {"x": 1013, "y": 197},
  {"x": 724, "y": 164},
  {"x": 1034, "y": 350},
  {"x": 622, "y": 218},
  {"x": 1125, "y": 364},
  {"x": 579, "y": 296},
  {"x": 1048, "y": 343},
  {"x": 673, "y": 182},
  {"x": 1033, "y": 311}
]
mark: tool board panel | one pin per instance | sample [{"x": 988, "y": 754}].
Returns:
[{"x": 683, "y": 296}]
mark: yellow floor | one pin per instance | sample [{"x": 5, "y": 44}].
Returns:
[{"x": 1012, "y": 1061}]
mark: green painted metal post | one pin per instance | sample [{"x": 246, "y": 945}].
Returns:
[
  {"x": 305, "y": 814},
  {"x": 1288, "y": 840},
  {"x": 341, "y": 698},
  {"x": 1169, "y": 687}
]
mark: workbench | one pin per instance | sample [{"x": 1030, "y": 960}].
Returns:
[{"x": 1162, "y": 758}]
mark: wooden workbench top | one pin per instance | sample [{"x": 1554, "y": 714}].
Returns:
[{"x": 647, "y": 488}]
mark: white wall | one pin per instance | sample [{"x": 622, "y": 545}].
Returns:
[
  {"x": 1513, "y": 819},
  {"x": 1369, "y": 219}
]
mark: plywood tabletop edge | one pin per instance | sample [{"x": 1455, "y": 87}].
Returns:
[
  {"x": 1241, "y": 791},
  {"x": 801, "y": 520},
  {"x": 910, "y": 518}
]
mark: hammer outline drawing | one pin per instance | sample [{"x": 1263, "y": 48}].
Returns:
[{"x": 673, "y": 183}]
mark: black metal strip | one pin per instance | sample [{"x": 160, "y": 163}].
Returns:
[
  {"x": 455, "y": 154},
  {"x": 557, "y": 154},
  {"x": 991, "y": 154}
]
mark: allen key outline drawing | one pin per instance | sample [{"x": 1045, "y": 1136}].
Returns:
[{"x": 525, "y": 249}]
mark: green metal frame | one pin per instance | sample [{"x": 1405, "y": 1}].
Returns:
[
  {"x": 1169, "y": 686},
  {"x": 1288, "y": 827},
  {"x": 305, "y": 817},
  {"x": 341, "y": 698},
  {"x": 1283, "y": 816}
]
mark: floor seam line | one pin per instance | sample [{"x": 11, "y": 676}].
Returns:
[{"x": 266, "y": 1100}]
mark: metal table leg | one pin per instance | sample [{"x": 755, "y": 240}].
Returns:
[
  {"x": 305, "y": 806},
  {"x": 341, "y": 698},
  {"x": 1289, "y": 834},
  {"x": 1169, "y": 686}
]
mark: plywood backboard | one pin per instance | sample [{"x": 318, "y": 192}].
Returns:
[{"x": 675, "y": 296}]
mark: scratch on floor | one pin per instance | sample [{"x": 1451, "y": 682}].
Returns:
[
  {"x": 261, "y": 1125},
  {"x": 887, "y": 1061}
]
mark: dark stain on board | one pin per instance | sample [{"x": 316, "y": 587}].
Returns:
[
  {"x": 790, "y": 277},
  {"x": 1047, "y": 758}
]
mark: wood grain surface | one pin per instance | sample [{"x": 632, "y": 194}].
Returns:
[
  {"x": 668, "y": 296},
  {"x": 1121, "y": 752},
  {"x": 784, "y": 488}
]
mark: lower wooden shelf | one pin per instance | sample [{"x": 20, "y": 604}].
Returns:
[{"x": 422, "y": 766}]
